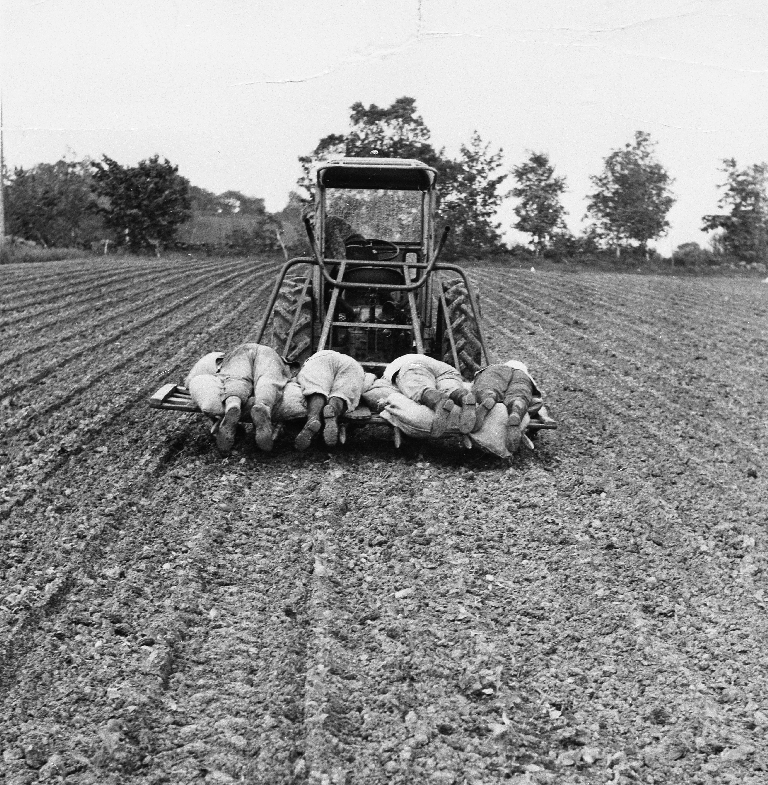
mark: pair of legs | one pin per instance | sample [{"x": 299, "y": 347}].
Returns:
[
  {"x": 250, "y": 374},
  {"x": 438, "y": 386},
  {"x": 508, "y": 385},
  {"x": 332, "y": 384}
]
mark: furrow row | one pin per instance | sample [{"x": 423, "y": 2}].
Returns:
[
  {"x": 157, "y": 289},
  {"x": 41, "y": 306},
  {"x": 107, "y": 374},
  {"x": 660, "y": 305},
  {"x": 52, "y": 275},
  {"x": 621, "y": 335},
  {"x": 200, "y": 289},
  {"x": 68, "y": 282},
  {"x": 658, "y": 324},
  {"x": 626, "y": 397},
  {"x": 19, "y": 286}
]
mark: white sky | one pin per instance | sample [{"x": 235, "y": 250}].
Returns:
[{"x": 233, "y": 91}]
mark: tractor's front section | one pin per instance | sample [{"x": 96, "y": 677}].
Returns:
[{"x": 372, "y": 287}]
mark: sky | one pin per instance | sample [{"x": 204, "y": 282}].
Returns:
[{"x": 233, "y": 91}]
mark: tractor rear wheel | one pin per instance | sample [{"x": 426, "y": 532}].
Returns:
[
  {"x": 466, "y": 333},
  {"x": 283, "y": 316}
]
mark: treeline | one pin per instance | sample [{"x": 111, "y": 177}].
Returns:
[
  {"x": 103, "y": 206},
  {"x": 150, "y": 207},
  {"x": 626, "y": 211}
]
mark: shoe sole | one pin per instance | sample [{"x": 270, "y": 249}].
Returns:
[
  {"x": 225, "y": 437},
  {"x": 331, "y": 426},
  {"x": 513, "y": 439},
  {"x": 307, "y": 434},
  {"x": 483, "y": 410},
  {"x": 262, "y": 429},
  {"x": 442, "y": 415},
  {"x": 468, "y": 414}
]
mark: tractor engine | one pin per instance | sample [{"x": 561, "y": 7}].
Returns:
[{"x": 370, "y": 311}]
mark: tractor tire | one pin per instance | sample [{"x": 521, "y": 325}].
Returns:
[
  {"x": 282, "y": 318},
  {"x": 465, "y": 330}
]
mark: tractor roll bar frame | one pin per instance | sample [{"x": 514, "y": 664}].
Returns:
[
  {"x": 408, "y": 287},
  {"x": 347, "y": 263}
]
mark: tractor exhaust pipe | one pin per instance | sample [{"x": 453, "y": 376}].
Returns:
[{"x": 441, "y": 243}]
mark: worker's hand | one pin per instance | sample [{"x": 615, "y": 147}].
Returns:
[{"x": 380, "y": 405}]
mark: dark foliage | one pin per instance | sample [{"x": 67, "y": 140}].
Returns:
[
  {"x": 142, "y": 204},
  {"x": 53, "y": 205},
  {"x": 467, "y": 185},
  {"x": 630, "y": 206},
  {"x": 744, "y": 228},
  {"x": 539, "y": 210}
]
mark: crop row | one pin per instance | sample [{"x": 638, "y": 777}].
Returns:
[
  {"x": 637, "y": 368},
  {"x": 103, "y": 309}
]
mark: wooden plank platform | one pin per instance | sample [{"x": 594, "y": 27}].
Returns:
[{"x": 175, "y": 397}]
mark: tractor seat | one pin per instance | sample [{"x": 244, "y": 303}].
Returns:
[{"x": 377, "y": 276}]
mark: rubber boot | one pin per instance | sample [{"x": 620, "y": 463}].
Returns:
[
  {"x": 466, "y": 400},
  {"x": 514, "y": 435},
  {"x": 331, "y": 413},
  {"x": 261, "y": 417},
  {"x": 225, "y": 435},
  {"x": 315, "y": 404},
  {"x": 519, "y": 395},
  {"x": 484, "y": 407},
  {"x": 442, "y": 406},
  {"x": 517, "y": 410}
]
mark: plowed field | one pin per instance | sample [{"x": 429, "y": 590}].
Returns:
[{"x": 593, "y": 612}]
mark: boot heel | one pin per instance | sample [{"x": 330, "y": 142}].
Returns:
[
  {"x": 468, "y": 413},
  {"x": 262, "y": 427},
  {"x": 331, "y": 426},
  {"x": 225, "y": 436},
  {"x": 306, "y": 434},
  {"x": 442, "y": 414}
]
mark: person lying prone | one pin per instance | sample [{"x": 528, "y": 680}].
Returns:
[
  {"x": 435, "y": 384},
  {"x": 249, "y": 370},
  {"x": 332, "y": 384},
  {"x": 511, "y": 384}
]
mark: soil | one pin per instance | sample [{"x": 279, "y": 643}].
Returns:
[{"x": 593, "y": 611}]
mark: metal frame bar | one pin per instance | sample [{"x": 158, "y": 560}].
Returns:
[
  {"x": 296, "y": 314},
  {"x": 411, "y": 287},
  {"x": 324, "y": 335},
  {"x": 473, "y": 302},
  {"x": 415, "y": 321},
  {"x": 449, "y": 327},
  {"x": 338, "y": 285},
  {"x": 176, "y": 397},
  {"x": 373, "y": 325},
  {"x": 276, "y": 291}
]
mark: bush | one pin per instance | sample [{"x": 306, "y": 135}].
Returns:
[
  {"x": 144, "y": 204},
  {"x": 521, "y": 252},
  {"x": 693, "y": 255},
  {"x": 239, "y": 233},
  {"x": 13, "y": 253}
]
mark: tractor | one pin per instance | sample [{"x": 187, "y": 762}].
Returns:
[
  {"x": 375, "y": 291},
  {"x": 373, "y": 287}
]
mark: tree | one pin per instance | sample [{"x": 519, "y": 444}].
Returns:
[
  {"x": 473, "y": 201},
  {"x": 393, "y": 132},
  {"x": 633, "y": 198},
  {"x": 203, "y": 202},
  {"x": 144, "y": 204},
  {"x": 467, "y": 186},
  {"x": 692, "y": 255},
  {"x": 539, "y": 211},
  {"x": 52, "y": 204},
  {"x": 744, "y": 230}
]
